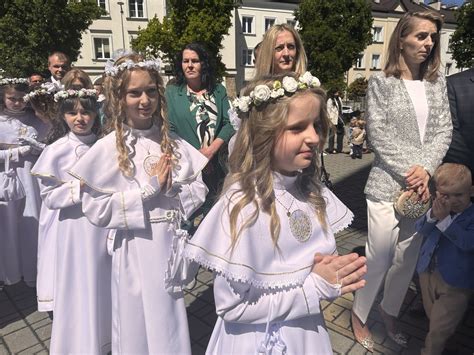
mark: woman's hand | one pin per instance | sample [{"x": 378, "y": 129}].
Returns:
[
  {"x": 346, "y": 270},
  {"x": 416, "y": 177},
  {"x": 208, "y": 152},
  {"x": 162, "y": 170}
]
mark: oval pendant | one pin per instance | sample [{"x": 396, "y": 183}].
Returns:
[
  {"x": 149, "y": 164},
  {"x": 300, "y": 225}
]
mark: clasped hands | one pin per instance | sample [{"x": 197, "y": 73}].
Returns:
[
  {"x": 417, "y": 179},
  {"x": 162, "y": 171},
  {"x": 344, "y": 270}
]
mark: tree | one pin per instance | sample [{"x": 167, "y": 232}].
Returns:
[
  {"x": 357, "y": 89},
  {"x": 188, "y": 21},
  {"x": 462, "y": 40},
  {"x": 31, "y": 29},
  {"x": 334, "y": 33}
]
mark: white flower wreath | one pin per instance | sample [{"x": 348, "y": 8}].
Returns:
[
  {"x": 44, "y": 89},
  {"x": 112, "y": 70},
  {"x": 65, "y": 94},
  {"x": 13, "y": 81}
]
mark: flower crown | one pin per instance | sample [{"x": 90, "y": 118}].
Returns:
[
  {"x": 44, "y": 89},
  {"x": 112, "y": 70},
  {"x": 13, "y": 81},
  {"x": 66, "y": 94},
  {"x": 263, "y": 93}
]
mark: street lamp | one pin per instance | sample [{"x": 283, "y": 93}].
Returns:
[{"x": 121, "y": 3}]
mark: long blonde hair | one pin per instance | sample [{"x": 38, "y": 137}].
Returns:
[
  {"x": 264, "y": 62},
  {"x": 429, "y": 68},
  {"x": 115, "y": 90},
  {"x": 250, "y": 164}
]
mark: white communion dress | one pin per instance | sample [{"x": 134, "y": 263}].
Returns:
[
  {"x": 144, "y": 224},
  {"x": 74, "y": 265},
  {"x": 267, "y": 299}
]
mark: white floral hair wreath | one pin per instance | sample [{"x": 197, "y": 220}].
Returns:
[
  {"x": 66, "y": 94},
  {"x": 13, "y": 81},
  {"x": 44, "y": 89},
  {"x": 263, "y": 93},
  {"x": 112, "y": 70}
]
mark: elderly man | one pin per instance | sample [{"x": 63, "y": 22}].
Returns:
[{"x": 58, "y": 65}]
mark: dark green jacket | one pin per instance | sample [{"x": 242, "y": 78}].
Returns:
[{"x": 184, "y": 123}]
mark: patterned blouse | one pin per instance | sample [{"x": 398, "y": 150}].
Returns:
[{"x": 204, "y": 109}]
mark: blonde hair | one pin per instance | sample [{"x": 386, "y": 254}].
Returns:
[
  {"x": 76, "y": 74},
  {"x": 115, "y": 90},
  {"x": 429, "y": 68},
  {"x": 264, "y": 61},
  {"x": 250, "y": 164},
  {"x": 452, "y": 174}
]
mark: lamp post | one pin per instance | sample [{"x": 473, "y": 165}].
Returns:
[{"x": 121, "y": 3}]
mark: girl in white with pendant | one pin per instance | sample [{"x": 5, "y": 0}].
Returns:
[
  {"x": 81, "y": 271},
  {"x": 269, "y": 238},
  {"x": 139, "y": 181}
]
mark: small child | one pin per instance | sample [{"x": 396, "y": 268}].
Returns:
[
  {"x": 352, "y": 125},
  {"x": 446, "y": 262},
  {"x": 357, "y": 139},
  {"x": 139, "y": 180},
  {"x": 81, "y": 273},
  {"x": 263, "y": 235}
]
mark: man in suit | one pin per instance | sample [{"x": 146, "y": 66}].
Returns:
[
  {"x": 461, "y": 102},
  {"x": 58, "y": 66}
]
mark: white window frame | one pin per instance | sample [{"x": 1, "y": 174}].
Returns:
[
  {"x": 380, "y": 34},
  {"x": 136, "y": 9},
  {"x": 131, "y": 36},
  {"x": 106, "y": 3},
  {"x": 247, "y": 53},
  {"x": 265, "y": 28},
  {"x": 97, "y": 36},
  {"x": 362, "y": 61},
  {"x": 291, "y": 22},
  {"x": 372, "y": 66},
  {"x": 253, "y": 25}
]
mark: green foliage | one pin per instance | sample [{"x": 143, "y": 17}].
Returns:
[
  {"x": 188, "y": 21},
  {"x": 31, "y": 29},
  {"x": 357, "y": 89},
  {"x": 462, "y": 41},
  {"x": 334, "y": 33}
]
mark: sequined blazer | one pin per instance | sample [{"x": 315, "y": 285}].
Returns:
[{"x": 392, "y": 131}]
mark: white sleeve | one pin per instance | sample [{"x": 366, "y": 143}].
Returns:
[
  {"x": 118, "y": 210},
  {"x": 60, "y": 195},
  {"x": 191, "y": 196},
  {"x": 241, "y": 303}
]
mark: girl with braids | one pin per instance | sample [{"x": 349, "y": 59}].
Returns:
[
  {"x": 269, "y": 239},
  {"x": 77, "y": 287},
  {"x": 139, "y": 181}
]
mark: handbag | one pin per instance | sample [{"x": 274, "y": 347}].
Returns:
[
  {"x": 11, "y": 188},
  {"x": 408, "y": 205}
]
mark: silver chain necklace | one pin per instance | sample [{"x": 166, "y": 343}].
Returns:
[{"x": 299, "y": 221}]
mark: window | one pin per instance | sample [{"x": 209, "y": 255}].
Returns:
[
  {"x": 448, "y": 68},
  {"x": 291, "y": 22},
  {"x": 247, "y": 56},
  {"x": 103, "y": 4},
  {"x": 247, "y": 24},
  {"x": 377, "y": 34},
  {"x": 375, "y": 63},
  {"x": 101, "y": 47},
  {"x": 359, "y": 64},
  {"x": 269, "y": 22},
  {"x": 136, "y": 8}
]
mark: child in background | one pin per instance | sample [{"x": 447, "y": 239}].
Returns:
[
  {"x": 446, "y": 262},
  {"x": 352, "y": 125},
  {"x": 357, "y": 139},
  {"x": 19, "y": 218},
  {"x": 140, "y": 180},
  {"x": 266, "y": 236},
  {"x": 81, "y": 271}
]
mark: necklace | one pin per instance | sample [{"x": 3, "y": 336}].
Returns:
[
  {"x": 299, "y": 221},
  {"x": 150, "y": 160}
]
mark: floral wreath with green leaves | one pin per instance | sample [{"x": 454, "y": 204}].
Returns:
[
  {"x": 66, "y": 94},
  {"x": 264, "y": 93},
  {"x": 13, "y": 81}
]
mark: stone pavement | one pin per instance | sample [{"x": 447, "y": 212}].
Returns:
[{"x": 23, "y": 330}]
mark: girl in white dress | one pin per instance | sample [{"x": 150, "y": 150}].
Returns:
[
  {"x": 82, "y": 266},
  {"x": 266, "y": 236},
  {"x": 140, "y": 180},
  {"x": 19, "y": 218}
]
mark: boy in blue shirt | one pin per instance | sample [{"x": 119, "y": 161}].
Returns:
[{"x": 446, "y": 262}]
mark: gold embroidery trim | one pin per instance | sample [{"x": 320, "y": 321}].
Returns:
[
  {"x": 305, "y": 299},
  {"x": 122, "y": 200}
]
